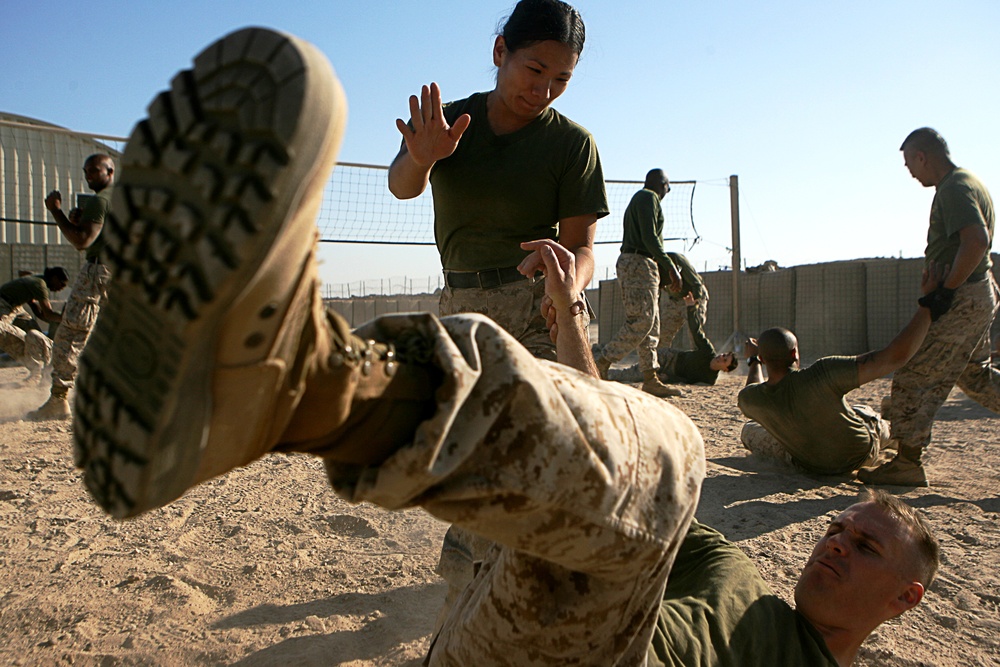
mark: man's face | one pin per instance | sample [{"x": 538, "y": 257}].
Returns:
[
  {"x": 916, "y": 162},
  {"x": 663, "y": 188},
  {"x": 722, "y": 362},
  {"x": 855, "y": 575},
  {"x": 98, "y": 174}
]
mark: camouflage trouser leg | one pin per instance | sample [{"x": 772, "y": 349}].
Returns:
[
  {"x": 79, "y": 316},
  {"x": 639, "y": 281},
  {"x": 761, "y": 443},
  {"x": 517, "y": 308},
  {"x": 673, "y": 315},
  {"x": 697, "y": 315},
  {"x": 878, "y": 429},
  {"x": 980, "y": 380},
  {"x": 954, "y": 348},
  {"x": 587, "y": 488},
  {"x": 30, "y": 348},
  {"x": 11, "y": 337},
  {"x": 37, "y": 351}
]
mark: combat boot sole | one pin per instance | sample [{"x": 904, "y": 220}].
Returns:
[{"x": 193, "y": 364}]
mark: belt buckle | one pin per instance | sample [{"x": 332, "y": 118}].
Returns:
[{"x": 489, "y": 284}]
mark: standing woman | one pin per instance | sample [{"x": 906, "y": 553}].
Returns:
[{"x": 506, "y": 168}]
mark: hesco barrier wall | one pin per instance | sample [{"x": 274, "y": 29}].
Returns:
[
  {"x": 847, "y": 307},
  {"x": 357, "y": 311}
]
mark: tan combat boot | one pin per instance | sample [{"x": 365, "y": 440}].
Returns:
[
  {"x": 214, "y": 322},
  {"x": 56, "y": 408},
  {"x": 903, "y": 470},
  {"x": 651, "y": 385},
  {"x": 603, "y": 366}
]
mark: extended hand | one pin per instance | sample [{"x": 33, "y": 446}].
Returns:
[
  {"x": 559, "y": 266},
  {"x": 689, "y": 299},
  {"x": 54, "y": 201},
  {"x": 431, "y": 138},
  {"x": 675, "y": 281}
]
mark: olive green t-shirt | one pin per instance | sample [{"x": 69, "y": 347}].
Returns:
[
  {"x": 807, "y": 413},
  {"x": 21, "y": 290},
  {"x": 642, "y": 229},
  {"x": 961, "y": 200},
  {"x": 690, "y": 279},
  {"x": 494, "y": 192},
  {"x": 694, "y": 366},
  {"x": 717, "y": 610},
  {"x": 96, "y": 209}
]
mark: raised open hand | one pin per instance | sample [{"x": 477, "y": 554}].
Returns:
[{"x": 431, "y": 138}]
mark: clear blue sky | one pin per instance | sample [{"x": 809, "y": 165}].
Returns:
[{"x": 807, "y": 102}]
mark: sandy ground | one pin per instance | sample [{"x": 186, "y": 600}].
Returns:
[{"x": 265, "y": 566}]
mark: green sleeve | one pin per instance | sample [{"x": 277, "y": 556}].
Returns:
[
  {"x": 960, "y": 209},
  {"x": 701, "y": 341},
  {"x": 651, "y": 215},
  {"x": 691, "y": 279}
]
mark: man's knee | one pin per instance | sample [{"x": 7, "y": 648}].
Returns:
[{"x": 760, "y": 442}]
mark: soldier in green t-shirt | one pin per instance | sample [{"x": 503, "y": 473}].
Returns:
[
  {"x": 504, "y": 168},
  {"x": 30, "y": 348},
  {"x": 957, "y": 348},
  {"x": 89, "y": 286},
  {"x": 642, "y": 265},
  {"x": 802, "y": 414}
]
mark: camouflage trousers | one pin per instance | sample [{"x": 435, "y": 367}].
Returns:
[
  {"x": 674, "y": 313},
  {"x": 760, "y": 442},
  {"x": 79, "y": 316},
  {"x": 956, "y": 351},
  {"x": 587, "y": 489},
  {"x": 639, "y": 282},
  {"x": 516, "y": 307},
  {"x": 31, "y": 348}
]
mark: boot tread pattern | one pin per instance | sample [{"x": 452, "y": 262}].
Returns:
[{"x": 196, "y": 175}]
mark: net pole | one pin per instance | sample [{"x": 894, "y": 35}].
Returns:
[{"x": 737, "y": 339}]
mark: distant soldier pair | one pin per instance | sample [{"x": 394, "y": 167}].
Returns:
[{"x": 947, "y": 343}]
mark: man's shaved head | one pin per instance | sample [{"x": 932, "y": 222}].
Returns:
[
  {"x": 777, "y": 346},
  {"x": 655, "y": 178}
]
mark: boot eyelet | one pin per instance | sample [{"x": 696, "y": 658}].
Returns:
[{"x": 254, "y": 339}]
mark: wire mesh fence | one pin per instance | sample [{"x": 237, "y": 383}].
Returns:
[{"x": 357, "y": 207}]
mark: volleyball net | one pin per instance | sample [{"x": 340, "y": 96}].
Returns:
[
  {"x": 357, "y": 205},
  {"x": 358, "y": 208}
]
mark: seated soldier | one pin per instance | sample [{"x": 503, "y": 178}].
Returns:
[
  {"x": 801, "y": 414},
  {"x": 586, "y": 488},
  {"x": 29, "y": 347}
]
